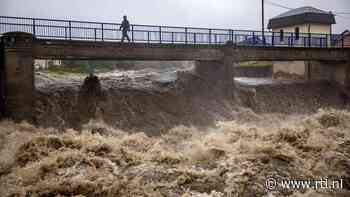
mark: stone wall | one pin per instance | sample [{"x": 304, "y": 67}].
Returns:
[
  {"x": 332, "y": 71},
  {"x": 290, "y": 67}
]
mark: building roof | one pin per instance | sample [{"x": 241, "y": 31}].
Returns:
[
  {"x": 303, "y": 15},
  {"x": 346, "y": 33}
]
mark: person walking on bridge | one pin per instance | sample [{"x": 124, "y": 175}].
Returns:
[{"x": 125, "y": 27}]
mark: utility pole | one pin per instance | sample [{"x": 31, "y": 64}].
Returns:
[{"x": 262, "y": 21}]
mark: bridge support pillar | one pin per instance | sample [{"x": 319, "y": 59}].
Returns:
[
  {"x": 344, "y": 80},
  {"x": 19, "y": 76},
  {"x": 218, "y": 75},
  {"x": 336, "y": 72},
  {"x": 2, "y": 80},
  {"x": 347, "y": 74}
]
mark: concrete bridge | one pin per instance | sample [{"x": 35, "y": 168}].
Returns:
[{"x": 214, "y": 59}]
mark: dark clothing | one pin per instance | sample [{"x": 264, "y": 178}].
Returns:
[
  {"x": 125, "y": 32},
  {"x": 125, "y": 26}
]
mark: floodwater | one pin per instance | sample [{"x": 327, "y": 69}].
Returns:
[
  {"x": 150, "y": 132},
  {"x": 245, "y": 81}
]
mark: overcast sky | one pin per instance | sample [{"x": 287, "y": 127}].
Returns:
[{"x": 235, "y": 14}]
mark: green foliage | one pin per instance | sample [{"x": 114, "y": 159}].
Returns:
[
  {"x": 256, "y": 64},
  {"x": 61, "y": 70}
]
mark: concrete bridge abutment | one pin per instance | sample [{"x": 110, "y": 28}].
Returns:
[
  {"x": 336, "y": 72},
  {"x": 347, "y": 79},
  {"x": 18, "y": 76},
  {"x": 342, "y": 78},
  {"x": 333, "y": 71},
  {"x": 2, "y": 80},
  {"x": 219, "y": 74}
]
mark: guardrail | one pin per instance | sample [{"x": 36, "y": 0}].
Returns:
[{"x": 83, "y": 30}]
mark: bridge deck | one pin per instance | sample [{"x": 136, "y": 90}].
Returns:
[{"x": 60, "y": 49}]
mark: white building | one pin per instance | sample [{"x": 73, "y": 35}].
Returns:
[{"x": 296, "y": 24}]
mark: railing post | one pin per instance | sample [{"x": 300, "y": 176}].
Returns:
[
  {"x": 65, "y": 33},
  {"x": 253, "y": 38},
  {"x": 231, "y": 31},
  {"x": 185, "y": 35},
  {"x": 102, "y": 32},
  {"x": 148, "y": 37},
  {"x": 209, "y": 36},
  {"x": 132, "y": 33},
  {"x": 309, "y": 40},
  {"x": 331, "y": 44},
  {"x": 160, "y": 34},
  {"x": 70, "y": 30},
  {"x": 194, "y": 38},
  {"x": 235, "y": 38},
  {"x": 34, "y": 30},
  {"x": 95, "y": 33},
  {"x": 326, "y": 40},
  {"x": 273, "y": 39},
  {"x": 216, "y": 39},
  {"x": 172, "y": 37}
]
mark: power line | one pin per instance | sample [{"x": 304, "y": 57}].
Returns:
[
  {"x": 263, "y": 19},
  {"x": 289, "y": 8},
  {"x": 342, "y": 16},
  {"x": 278, "y": 5},
  {"x": 345, "y": 13},
  {"x": 338, "y": 14}
]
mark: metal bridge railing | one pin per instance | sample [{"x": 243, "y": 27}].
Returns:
[{"x": 81, "y": 30}]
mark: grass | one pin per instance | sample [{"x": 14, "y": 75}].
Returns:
[
  {"x": 79, "y": 69},
  {"x": 60, "y": 70},
  {"x": 256, "y": 64}
]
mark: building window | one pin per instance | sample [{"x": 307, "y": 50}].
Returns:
[
  {"x": 297, "y": 33},
  {"x": 281, "y": 35}
]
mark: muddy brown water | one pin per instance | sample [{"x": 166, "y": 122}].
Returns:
[
  {"x": 152, "y": 102},
  {"x": 274, "y": 132}
]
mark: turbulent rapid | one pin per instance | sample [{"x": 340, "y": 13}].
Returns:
[{"x": 229, "y": 159}]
